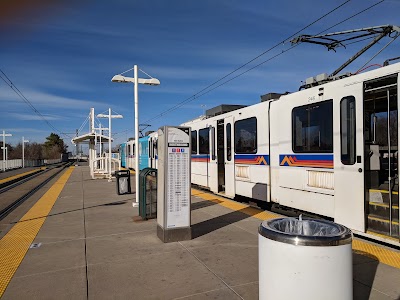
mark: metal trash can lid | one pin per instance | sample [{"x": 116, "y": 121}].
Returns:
[
  {"x": 122, "y": 173},
  {"x": 305, "y": 232}
]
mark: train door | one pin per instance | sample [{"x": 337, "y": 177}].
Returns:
[
  {"x": 348, "y": 160},
  {"x": 229, "y": 159},
  {"x": 150, "y": 152},
  {"x": 123, "y": 155},
  {"x": 155, "y": 153},
  {"x": 213, "y": 163},
  {"x": 381, "y": 147},
  {"x": 143, "y": 153},
  {"x": 221, "y": 155}
]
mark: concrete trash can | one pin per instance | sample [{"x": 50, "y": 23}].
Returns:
[
  {"x": 304, "y": 259},
  {"x": 123, "y": 182}
]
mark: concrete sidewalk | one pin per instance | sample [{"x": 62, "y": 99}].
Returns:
[{"x": 93, "y": 247}]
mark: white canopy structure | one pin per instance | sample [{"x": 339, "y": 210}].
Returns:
[{"x": 98, "y": 166}]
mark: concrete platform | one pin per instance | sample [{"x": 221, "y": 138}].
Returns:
[{"x": 93, "y": 247}]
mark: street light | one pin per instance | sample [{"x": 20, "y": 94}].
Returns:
[
  {"x": 135, "y": 80},
  {"x": 109, "y": 116},
  {"x": 23, "y": 151},
  {"x": 4, "y": 149}
]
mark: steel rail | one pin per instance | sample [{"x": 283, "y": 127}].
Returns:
[
  {"x": 7, "y": 210},
  {"x": 18, "y": 181}
]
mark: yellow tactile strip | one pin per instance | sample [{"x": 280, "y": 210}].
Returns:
[
  {"x": 15, "y": 244},
  {"x": 383, "y": 255},
  {"x": 388, "y": 257},
  {"x": 19, "y": 175}
]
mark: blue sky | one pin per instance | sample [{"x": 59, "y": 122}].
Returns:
[{"x": 62, "y": 58}]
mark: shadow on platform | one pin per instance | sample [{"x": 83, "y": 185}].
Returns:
[
  {"x": 202, "y": 204},
  {"x": 364, "y": 271},
  {"x": 216, "y": 223},
  {"x": 74, "y": 210}
]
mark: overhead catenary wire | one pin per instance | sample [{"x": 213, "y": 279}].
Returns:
[
  {"x": 213, "y": 86},
  {"x": 352, "y": 16},
  {"x": 84, "y": 123},
  {"x": 8, "y": 81},
  {"x": 193, "y": 97},
  {"x": 376, "y": 54}
]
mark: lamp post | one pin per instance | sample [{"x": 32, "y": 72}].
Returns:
[
  {"x": 135, "y": 80},
  {"x": 23, "y": 151},
  {"x": 4, "y": 148},
  {"x": 100, "y": 146},
  {"x": 6, "y": 152},
  {"x": 109, "y": 116}
]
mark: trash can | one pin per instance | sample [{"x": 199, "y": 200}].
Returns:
[
  {"x": 304, "y": 259},
  {"x": 123, "y": 182}
]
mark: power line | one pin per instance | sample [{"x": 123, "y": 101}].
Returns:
[
  {"x": 193, "y": 97},
  {"x": 8, "y": 81},
  {"x": 209, "y": 89}
]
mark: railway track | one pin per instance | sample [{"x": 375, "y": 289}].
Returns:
[{"x": 16, "y": 193}]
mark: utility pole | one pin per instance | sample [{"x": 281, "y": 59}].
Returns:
[{"x": 4, "y": 149}]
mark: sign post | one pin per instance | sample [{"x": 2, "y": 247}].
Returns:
[{"x": 173, "y": 184}]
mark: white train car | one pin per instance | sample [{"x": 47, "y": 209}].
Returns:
[
  {"x": 330, "y": 150},
  {"x": 147, "y": 152},
  {"x": 130, "y": 154},
  {"x": 229, "y": 152}
]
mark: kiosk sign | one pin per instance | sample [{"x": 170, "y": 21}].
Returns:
[
  {"x": 178, "y": 178},
  {"x": 173, "y": 184}
]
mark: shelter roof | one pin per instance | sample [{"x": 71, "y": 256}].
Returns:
[{"x": 91, "y": 137}]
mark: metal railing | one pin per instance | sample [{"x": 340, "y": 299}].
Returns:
[{"x": 148, "y": 193}]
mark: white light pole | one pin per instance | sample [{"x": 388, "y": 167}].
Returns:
[
  {"x": 135, "y": 80},
  {"x": 100, "y": 148},
  {"x": 23, "y": 151},
  {"x": 6, "y": 152},
  {"x": 4, "y": 149},
  {"x": 109, "y": 116}
]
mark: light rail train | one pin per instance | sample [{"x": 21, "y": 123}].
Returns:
[{"x": 330, "y": 149}]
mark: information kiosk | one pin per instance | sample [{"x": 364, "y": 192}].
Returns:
[{"x": 173, "y": 184}]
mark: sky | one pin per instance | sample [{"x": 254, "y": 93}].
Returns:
[{"x": 62, "y": 55}]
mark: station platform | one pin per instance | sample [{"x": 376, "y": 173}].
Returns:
[{"x": 83, "y": 241}]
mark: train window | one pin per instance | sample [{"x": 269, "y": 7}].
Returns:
[
  {"x": 204, "y": 141},
  {"x": 194, "y": 142},
  {"x": 312, "y": 128},
  {"x": 246, "y": 136},
  {"x": 348, "y": 130},
  {"x": 229, "y": 141}
]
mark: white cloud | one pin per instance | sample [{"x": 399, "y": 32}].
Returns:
[
  {"x": 48, "y": 100},
  {"x": 25, "y": 129},
  {"x": 34, "y": 117}
]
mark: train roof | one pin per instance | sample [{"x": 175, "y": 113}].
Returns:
[{"x": 344, "y": 81}]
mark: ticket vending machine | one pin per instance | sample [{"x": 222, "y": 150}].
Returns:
[{"x": 173, "y": 184}]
